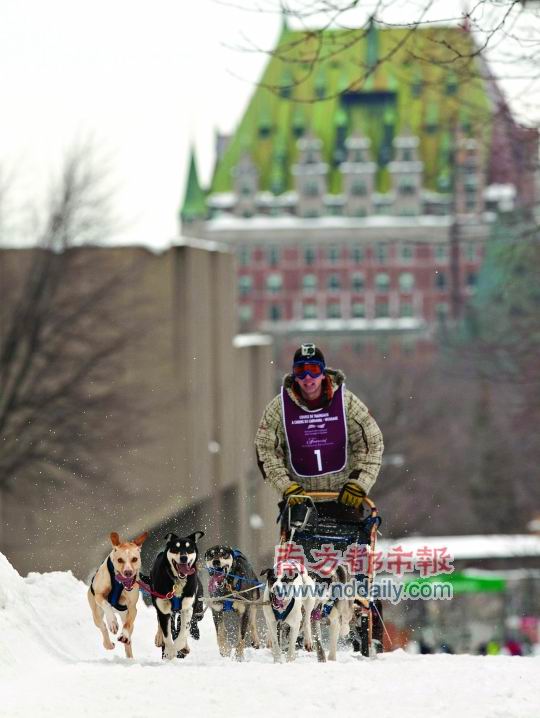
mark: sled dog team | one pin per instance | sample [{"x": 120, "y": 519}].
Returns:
[{"x": 175, "y": 588}]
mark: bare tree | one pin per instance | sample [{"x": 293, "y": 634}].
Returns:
[{"x": 64, "y": 323}]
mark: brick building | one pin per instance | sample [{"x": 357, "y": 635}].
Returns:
[{"x": 359, "y": 195}]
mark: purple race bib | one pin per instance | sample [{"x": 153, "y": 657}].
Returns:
[{"x": 317, "y": 440}]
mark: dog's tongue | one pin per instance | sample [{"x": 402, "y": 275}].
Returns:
[
  {"x": 216, "y": 579},
  {"x": 184, "y": 570},
  {"x": 127, "y": 583}
]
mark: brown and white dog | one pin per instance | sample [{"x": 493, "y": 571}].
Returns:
[{"x": 114, "y": 588}]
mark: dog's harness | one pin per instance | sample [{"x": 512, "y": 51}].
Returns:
[
  {"x": 282, "y": 615},
  {"x": 231, "y": 586},
  {"x": 117, "y": 586},
  {"x": 323, "y": 611}
]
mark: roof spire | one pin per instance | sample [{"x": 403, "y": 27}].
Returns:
[
  {"x": 284, "y": 23},
  {"x": 194, "y": 206},
  {"x": 372, "y": 37}
]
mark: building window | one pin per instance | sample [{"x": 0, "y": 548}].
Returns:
[
  {"x": 381, "y": 310},
  {"x": 311, "y": 189},
  {"x": 470, "y": 200},
  {"x": 357, "y": 254},
  {"x": 360, "y": 212},
  {"x": 246, "y": 190},
  {"x": 406, "y": 309},
  {"x": 472, "y": 279},
  {"x": 407, "y": 253},
  {"x": 309, "y": 282},
  {"x": 274, "y": 312},
  {"x": 358, "y": 281},
  {"x": 406, "y": 281},
  {"x": 333, "y": 310},
  {"x": 381, "y": 253},
  {"x": 334, "y": 253},
  {"x": 407, "y": 186},
  {"x": 407, "y": 155},
  {"x": 442, "y": 311},
  {"x": 358, "y": 310},
  {"x": 408, "y": 212},
  {"x": 274, "y": 282},
  {"x": 441, "y": 252},
  {"x": 244, "y": 256},
  {"x": 334, "y": 282},
  {"x": 358, "y": 156},
  {"x": 245, "y": 284},
  {"x": 309, "y": 255},
  {"x": 359, "y": 188},
  {"x": 245, "y": 312},
  {"x": 309, "y": 311},
  {"x": 408, "y": 344},
  {"x": 440, "y": 280},
  {"x": 382, "y": 281},
  {"x": 273, "y": 255},
  {"x": 470, "y": 252}
]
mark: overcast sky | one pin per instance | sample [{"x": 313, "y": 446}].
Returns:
[{"x": 144, "y": 79}]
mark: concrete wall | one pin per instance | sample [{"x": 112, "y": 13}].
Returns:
[{"x": 190, "y": 462}]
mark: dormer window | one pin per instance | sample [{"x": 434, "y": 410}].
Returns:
[
  {"x": 311, "y": 189},
  {"x": 359, "y": 188}
]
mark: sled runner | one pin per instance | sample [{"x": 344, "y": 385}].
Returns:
[{"x": 324, "y": 528}]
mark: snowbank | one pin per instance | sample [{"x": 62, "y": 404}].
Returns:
[{"x": 52, "y": 664}]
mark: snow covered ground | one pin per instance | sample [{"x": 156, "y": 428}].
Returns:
[{"x": 52, "y": 664}]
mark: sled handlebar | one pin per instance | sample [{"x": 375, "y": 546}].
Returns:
[{"x": 334, "y": 494}]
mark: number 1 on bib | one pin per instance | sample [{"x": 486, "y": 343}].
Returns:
[{"x": 317, "y": 453}]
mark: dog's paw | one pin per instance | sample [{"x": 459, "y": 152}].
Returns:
[
  {"x": 112, "y": 625},
  {"x": 124, "y": 638},
  {"x": 308, "y": 646},
  {"x": 183, "y": 651},
  {"x": 168, "y": 653},
  {"x": 107, "y": 644}
]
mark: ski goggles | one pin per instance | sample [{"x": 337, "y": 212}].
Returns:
[{"x": 314, "y": 368}]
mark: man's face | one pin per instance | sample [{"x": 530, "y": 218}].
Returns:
[{"x": 310, "y": 387}]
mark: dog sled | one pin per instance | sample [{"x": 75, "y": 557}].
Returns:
[{"x": 320, "y": 522}]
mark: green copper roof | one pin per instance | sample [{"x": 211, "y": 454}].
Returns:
[
  {"x": 194, "y": 206},
  {"x": 401, "y": 92}
]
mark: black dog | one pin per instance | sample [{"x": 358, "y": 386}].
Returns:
[
  {"x": 175, "y": 570},
  {"x": 231, "y": 573}
]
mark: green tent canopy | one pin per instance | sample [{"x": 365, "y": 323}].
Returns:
[{"x": 465, "y": 582}]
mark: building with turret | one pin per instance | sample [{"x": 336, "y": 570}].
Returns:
[{"x": 361, "y": 184}]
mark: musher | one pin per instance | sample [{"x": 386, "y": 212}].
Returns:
[{"x": 316, "y": 435}]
